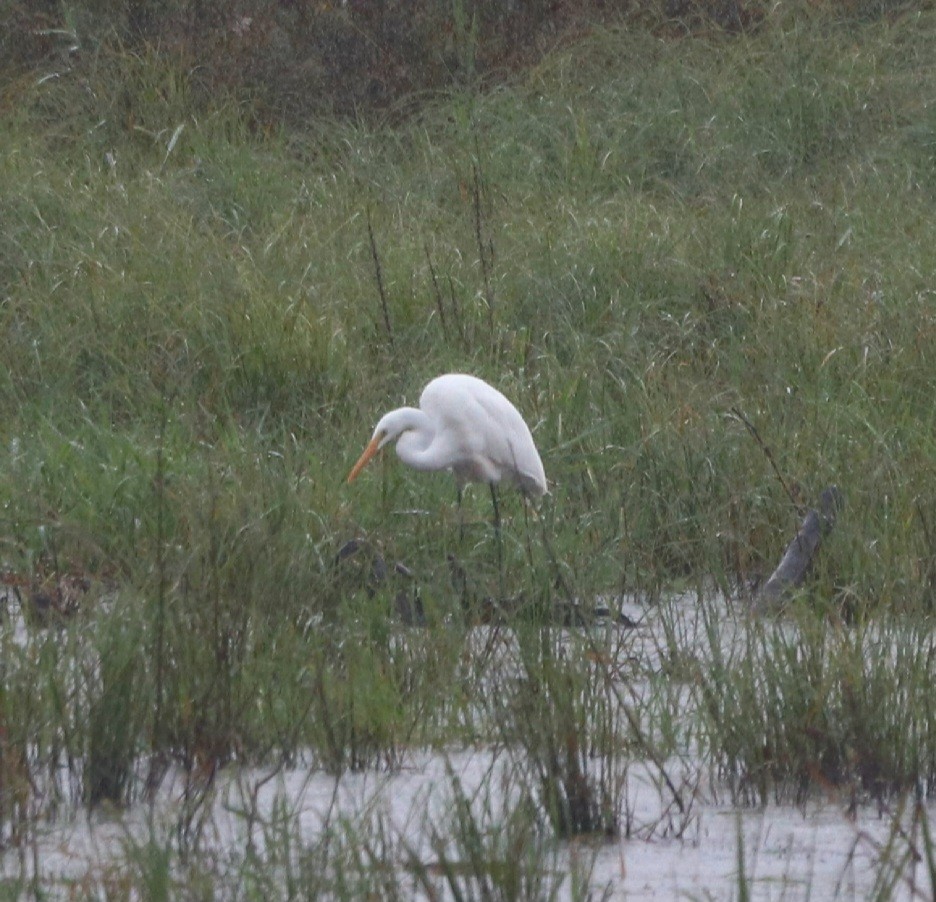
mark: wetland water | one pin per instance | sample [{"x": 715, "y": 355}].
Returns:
[{"x": 819, "y": 850}]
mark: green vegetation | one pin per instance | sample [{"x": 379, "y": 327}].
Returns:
[{"x": 646, "y": 241}]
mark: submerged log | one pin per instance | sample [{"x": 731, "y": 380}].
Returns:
[{"x": 801, "y": 552}]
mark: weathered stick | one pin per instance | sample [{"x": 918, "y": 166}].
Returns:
[{"x": 801, "y": 552}]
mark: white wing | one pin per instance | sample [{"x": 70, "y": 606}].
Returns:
[{"x": 481, "y": 434}]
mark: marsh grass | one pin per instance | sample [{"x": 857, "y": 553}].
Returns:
[
  {"x": 635, "y": 240},
  {"x": 838, "y": 710},
  {"x": 560, "y": 718}
]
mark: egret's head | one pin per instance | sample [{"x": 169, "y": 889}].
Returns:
[{"x": 391, "y": 426}]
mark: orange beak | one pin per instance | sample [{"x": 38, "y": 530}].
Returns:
[{"x": 372, "y": 448}]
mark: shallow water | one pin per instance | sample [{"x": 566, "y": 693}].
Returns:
[{"x": 788, "y": 853}]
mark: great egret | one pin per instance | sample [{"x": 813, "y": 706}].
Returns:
[{"x": 466, "y": 426}]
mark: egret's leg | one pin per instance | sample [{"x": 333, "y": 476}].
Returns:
[
  {"x": 497, "y": 534},
  {"x": 526, "y": 523},
  {"x": 461, "y": 517}
]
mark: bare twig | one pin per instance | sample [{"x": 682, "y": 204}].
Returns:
[
  {"x": 739, "y": 414},
  {"x": 438, "y": 294},
  {"x": 485, "y": 251},
  {"x": 456, "y": 313},
  {"x": 380, "y": 285}
]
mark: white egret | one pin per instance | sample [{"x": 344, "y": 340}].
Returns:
[{"x": 466, "y": 426}]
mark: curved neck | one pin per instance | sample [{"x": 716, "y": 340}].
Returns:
[
  {"x": 414, "y": 433},
  {"x": 413, "y": 445}
]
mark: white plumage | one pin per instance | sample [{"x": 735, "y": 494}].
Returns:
[{"x": 466, "y": 426}]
